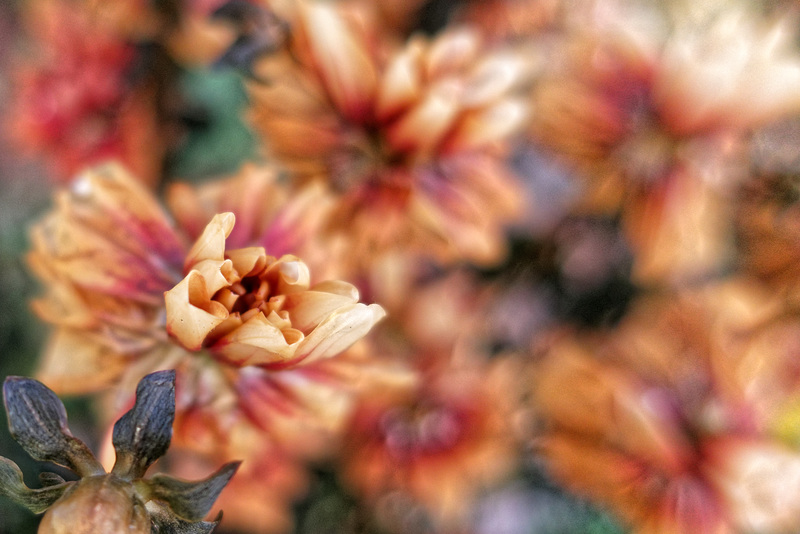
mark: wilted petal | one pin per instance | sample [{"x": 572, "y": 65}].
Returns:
[
  {"x": 143, "y": 434},
  {"x": 339, "y": 331},
  {"x": 38, "y": 421},
  {"x": 35, "y": 500},
  {"x": 191, "y": 500}
]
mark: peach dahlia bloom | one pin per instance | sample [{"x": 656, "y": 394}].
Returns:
[
  {"x": 410, "y": 140},
  {"x": 112, "y": 263},
  {"x": 665, "y": 420}
]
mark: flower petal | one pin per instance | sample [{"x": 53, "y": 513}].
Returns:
[
  {"x": 191, "y": 314},
  {"x": 211, "y": 243},
  {"x": 256, "y": 342},
  {"x": 310, "y": 308},
  {"x": 339, "y": 331}
]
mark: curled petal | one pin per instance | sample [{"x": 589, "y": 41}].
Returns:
[
  {"x": 143, "y": 434},
  {"x": 35, "y": 500},
  {"x": 339, "y": 331},
  {"x": 258, "y": 342},
  {"x": 38, "y": 421},
  {"x": 310, "y": 308},
  {"x": 191, "y": 314},
  {"x": 191, "y": 500},
  {"x": 211, "y": 244}
]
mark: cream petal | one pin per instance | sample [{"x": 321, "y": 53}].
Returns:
[
  {"x": 348, "y": 71},
  {"x": 337, "y": 287},
  {"x": 401, "y": 84},
  {"x": 211, "y": 244},
  {"x": 310, "y": 308},
  {"x": 294, "y": 275},
  {"x": 339, "y": 331},
  {"x": 424, "y": 126},
  {"x": 191, "y": 315},
  {"x": 257, "y": 342},
  {"x": 248, "y": 261},
  {"x": 217, "y": 274},
  {"x": 489, "y": 125},
  {"x": 452, "y": 52},
  {"x": 493, "y": 78}
]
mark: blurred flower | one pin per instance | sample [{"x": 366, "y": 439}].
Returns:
[
  {"x": 506, "y": 20},
  {"x": 105, "y": 254},
  {"x": 82, "y": 99},
  {"x": 439, "y": 443},
  {"x": 412, "y": 144},
  {"x": 106, "y": 502},
  {"x": 427, "y": 446},
  {"x": 768, "y": 230},
  {"x": 650, "y": 105},
  {"x": 657, "y": 420}
]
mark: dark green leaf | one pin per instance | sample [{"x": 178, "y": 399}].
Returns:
[
  {"x": 35, "y": 500},
  {"x": 143, "y": 434},
  {"x": 38, "y": 421},
  {"x": 191, "y": 500}
]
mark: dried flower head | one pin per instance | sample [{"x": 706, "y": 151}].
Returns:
[
  {"x": 119, "y": 501},
  {"x": 411, "y": 140}
]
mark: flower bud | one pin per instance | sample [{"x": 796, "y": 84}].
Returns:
[{"x": 97, "y": 504}]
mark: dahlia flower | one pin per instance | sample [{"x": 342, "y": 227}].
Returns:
[
  {"x": 128, "y": 295},
  {"x": 409, "y": 140},
  {"x": 654, "y": 110},
  {"x": 664, "y": 420},
  {"x": 438, "y": 443}
]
